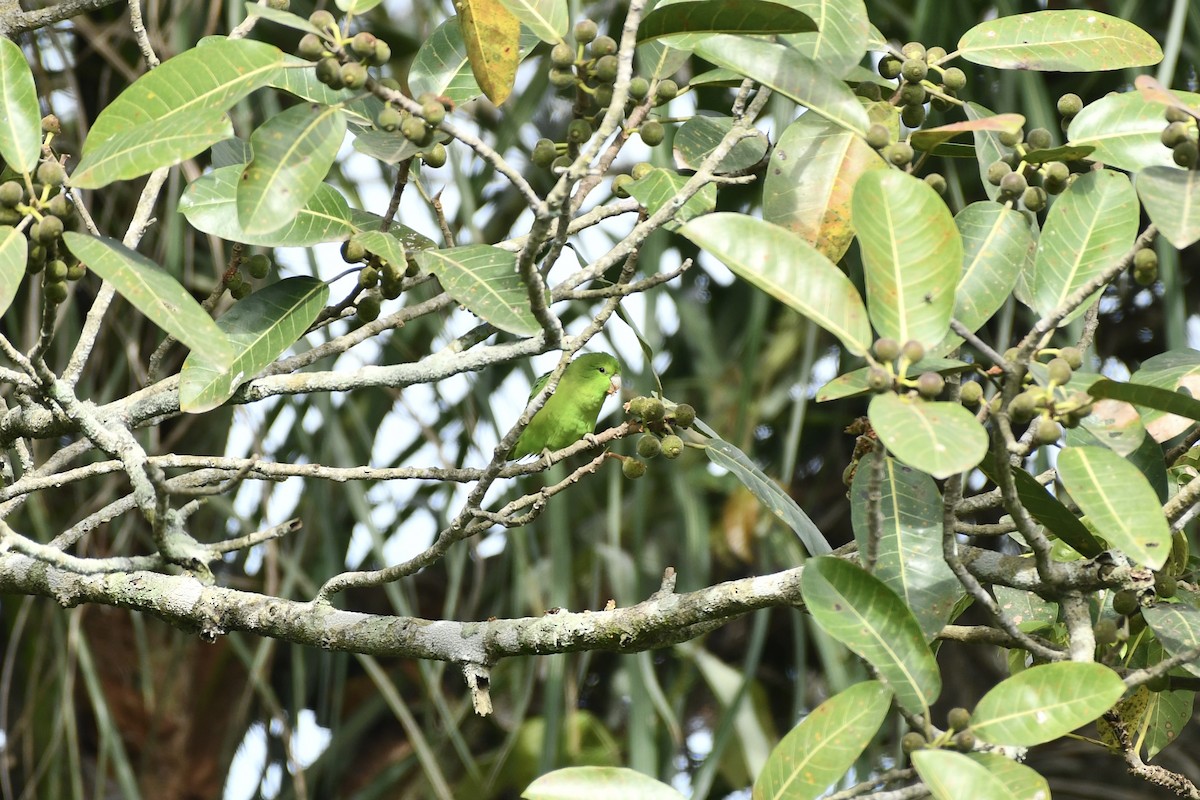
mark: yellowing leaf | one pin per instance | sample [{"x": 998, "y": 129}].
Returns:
[{"x": 492, "y": 35}]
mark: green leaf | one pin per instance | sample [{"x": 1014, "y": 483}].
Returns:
[
  {"x": 1165, "y": 400},
  {"x": 292, "y": 152},
  {"x": 1045, "y": 702},
  {"x": 1172, "y": 199},
  {"x": 841, "y": 37},
  {"x": 695, "y": 139},
  {"x": 942, "y": 439},
  {"x": 859, "y": 611},
  {"x": 20, "y": 116},
  {"x": 723, "y": 16},
  {"x": 1027, "y": 611},
  {"x": 768, "y": 492},
  {"x": 1057, "y": 518},
  {"x": 1088, "y": 229},
  {"x": 1177, "y": 627},
  {"x": 492, "y": 35},
  {"x": 1125, "y": 128},
  {"x": 659, "y": 186},
  {"x": 297, "y": 76},
  {"x": 789, "y": 269},
  {"x": 656, "y": 59},
  {"x": 441, "y": 65},
  {"x": 1074, "y": 40},
  {"x": 1175, "y": 371},
  {"x": 826, "y": 743},
  {"x": 791, "y": 74},
  {"x": 718, "y": 76},
  {"x": 548, "y": 19},
  {"x": 260, "y": 328},
  {"x": 988, "y": 147},
  {"x": 810, "y": 180},
  {"x": 1020, "y": 781},
  {"x": 953, "y": 776},
  {"x": 410, "y": 239},
  {"x": 855, "y": 382},
  {"x": 139, "y": 151},
  {"x": 14, "y": 248},
  {"x": 198, "y": 83},
  {"x": 285, "y": 18},
  {"x": 210, "y": 205},
  {"x": 151, "y": 290},
  {"x": 384, "y": 245},
  {"x": 390, "y": 148},
  {"x": 912, "y": 253},
  {"x": 909, "y": 551},
  {"x": 484, "y": 279},
  {"x": 1118, "y": 501},
  {"x": 930, "y": 138},
  {"x": 1066, "y": 152},
  {"x": 572, "y": 783}
]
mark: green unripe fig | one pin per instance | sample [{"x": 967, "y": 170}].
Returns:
[
  {"x": 1126, "y": 603},
  {"x": 413, "y": 129},
  {"x": 886, "y": 349},
  {"x": 353, "y": 252},
  {"x": 652, "y": 132},
  {"x": 1056, "y": 171},
  {"x": 1073, "y": 356},
  {"x": 10, "y": 216},
  {"x": 964, "y": 741},
  {"x": 241, "y": 291},
  {"x": 666, "y": 90},
  {"x": 913, "y": 94},
  {"x": 913, "y": 50},
  {"x": 433, "y": 112},
  {"x": 641, "y": 170},
  {"x": 562, "y": 55},
  {"x": 930, "y": 385},
  {"x": 11, "y": 194},
  {"x": 633, "y": 469},
  {"x": 560, "y": 163},
  {"x": 50, "y": 124},
  {"x": 1013, "y": 185},
  {"x": 971, "y": 393},
  {"x": 638, "y": 88},
  {"x": 36, "y": 253},
  {"x": 234, "y": 280},
  {"x": 620, "y": 185},
  {"x": 562, "y": 78},
  {"x": 954, "y": 79},
  {"x": 1011, "y": 138},
  {"x": 1185, "y": 154},
  {"x": 912, "y": 742},
  {"x": 51, "y": 173},
  {"x": 1070, "y": 104},
  {"x": 353, "y": 75},
  {"x": 648, "y": 446},
  {"x": 258, "y": 265},
  {"x": 604, "y": 46},
  {"x": 368, "y": 308},
  {"x": 49, "y": 229},
  {"x": 1145, "y": 277},
  {"x": 76, "y": 271},
  {"x": 606, "y": 69},
  {"x": 544, "y": 153},
  {"x": 653, "y": 410},
  {"x": 899, "y": 154},
  {"x": 1059, "y": 370},
  {"x": 323, "y": 20},
  {"x": 1048, "y": 432},
  {"x": 586, "y": 30},
  {"x": 1175, "y": 133},
  {"x": 1039, "y": 139},
  {"x": 869, "y": 90},
  {"x": 56, "y": 270},
  {"x": 889, "y": 67},
  {"x": 1022, "y": 407},
  {"x": 56, "y": 291},
  {"x": 914, "y": 70},
  {"x": 958, "y": 719},
  {"x": 578, "y": 131},
  {"x": 368, "y": 277},
  {"x": 672, "y": 446},
  {"x": 363, "y": 44},
  {"x": 937, "y": 182},
  {"x": 435, "y": 157},
  {"x": 998, "y": 171},
  {"x": 878, "y": 136},
  {"x": 912, "y": 351},
  {"x": 684, "y": 415},
  {"x": 60, "y": 207},
  {"x": 602, "y": 98},
  {"x": 382, "y": 55},
  {"x": 912, "y": 116},
  {"x": 389, "y": 118},
  {"x": 1176, "y": 114},
  {"x": 1146, "y": 258},
  {"x": 1034, "y": 198},
  {"x": 935, "y": 54},
  {"x": 1165, "y": 585},
  {"x": 878, "y": 379},
  {"x": 329, "y": 72}
]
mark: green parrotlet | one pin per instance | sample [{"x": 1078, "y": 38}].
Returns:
[{"x": 571, "y": 412}]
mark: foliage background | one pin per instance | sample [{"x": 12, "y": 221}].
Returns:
[{"x": 103, "y": 699}]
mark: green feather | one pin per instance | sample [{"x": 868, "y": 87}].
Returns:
[{"x": 571, "y": 412}]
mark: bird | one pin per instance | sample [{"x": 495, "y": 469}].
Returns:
[{"x": 571, "y": 412}]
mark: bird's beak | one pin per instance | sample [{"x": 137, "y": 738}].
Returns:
[{"x": 614, "y": 385}]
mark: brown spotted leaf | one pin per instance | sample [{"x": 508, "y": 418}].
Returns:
[{"x": 492, "y": 35}]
